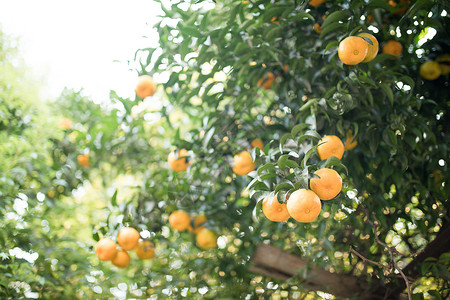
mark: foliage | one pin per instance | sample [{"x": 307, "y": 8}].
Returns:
[{"x": 209, "y": 59}]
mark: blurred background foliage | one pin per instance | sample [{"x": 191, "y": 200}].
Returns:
[{"x": 209, "y": 60}]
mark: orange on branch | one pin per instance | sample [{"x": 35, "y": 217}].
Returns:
[
  {"x": 304, "y": 206},
  {"x": 328, "y": 185},
  {"x": 145, "y": 87},
  {"x": 243, "y": 163},
  {"x": 206, "y": 239},
  {"x": 83, "y": 159},
  {"x": 393, "y": 48},
  {"x": 145, "y": 250},
  {"x": 372, "y": 50},
  {"x": 350, "y": 144},
  {"x": 121, "y": 260},
  {"x": 195, "y": 224},
  {"x": 65, "y": 123},
  {"x": 106, "y": 249},
  {"x": 128, "y": 238},
  {"x": 430, "y": 70},
  {"x": 257, "y": 143},
  {"x": 266, "y": 82},
  {"x": 176, "y": 163},
  {"x": 352, "y": 50},
  {"x": 179, "y": 220},
  {"x": 316, "y": 3},
  {"x": 274, "y": 210},
  {"x": 332, "y": 146}
]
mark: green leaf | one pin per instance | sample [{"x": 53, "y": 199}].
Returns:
[
  {"x": 331, "y": 28},
  {"x": 308, "y": 155},
  {"x": 269, "y": 167},
  {"x": 334, "y": 17},
  {"x": 301, "y": 16},
  {"x": 333, "y": 161},
  {"x": 299, "y": 127},
  {"x": 387, "y": 90},
  {"x": 114, "y": 198},
  {"x": 379, "y": 4},
  {"x": 287, "y": 185}
]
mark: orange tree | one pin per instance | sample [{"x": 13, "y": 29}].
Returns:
[{"x": 229, "y": 72}]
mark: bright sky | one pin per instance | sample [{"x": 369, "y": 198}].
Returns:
[{"x": 75, "y": 43}]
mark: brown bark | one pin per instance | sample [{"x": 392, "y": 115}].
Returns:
[{"x": 271, "y": 261}]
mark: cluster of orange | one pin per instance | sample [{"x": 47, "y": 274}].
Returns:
[
  {"x": 304, "y": 205},
  {"x": 431, "y": 70},
  {"x": 83, "y": 159},
  {"x": 181, "y": 221},
  {"x": 128, "y": 239}
]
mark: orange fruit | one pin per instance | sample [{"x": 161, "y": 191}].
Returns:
[
  {"x": 274, "y": 210},
  {"x": 352, "y": 50},
  {"x": 317, "y": 28},
  {"x": 257, "y": 143},
  {"x": 128, "y": 238},
  {"x": 372, "y": 50},
  {"x": 176, "y": 163},
  {"x": 197, "y": 221},
  {"x": 430, "y": 70},
  {"x": 266, "y": 82},
  {"x": 145, "y": 250},
  {"x": 332, "y": 146},
  {"x": 392, "y": 47},
  {"x": 444, "y": 63},
  {"x": 243, "y": 163},
  {"x": 206, "y": 239},
  {"x": 145, "y": 86},
  {"x": 106, "y": 249},
  {"x": 65, "y": 123},
  {"x": 350, "y": 144},
  {"x": 304, "y": 206},
  {"x": 404, "y": 5},
  {"x": 121, "y": 260},
  {"x": 329, "y": 184},
  {"x": 83, "y": 159},
  {"x": 179, "y": 220},
  {"x": 316, "y": 3}
]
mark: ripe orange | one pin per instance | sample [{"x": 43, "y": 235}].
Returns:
[
  {"x": 393, "y": 48},
  {"x": 206, "y": 239},
  {"x": 316, "y": 3},
  {"x": 350, "y": 144},
  {"x": 444, "y": 63},
  {"x": 372, "y": 50},
  {"x": 65, "y": 123},
  {"x": 243, "y": 163},
  {"x": 257, "y": 143},
  {"x": 121, "y": 260},
  {"x": 317, "y": 28},
  {"x": 83, "y": 159},
  {"x": 352, "y": 50},
  {"x": 304, "y": 206},
  {"x": 430, "y": 70},
  {"x": 176, "y": 163},
  {"x": 274, "y": 210},
  {"x": 329, "y": 184},
  {"x": 333, "y": 146},
  {"x": 266, "y": 82},
  {"x": 145, "y": 250},
  {"x": 197, "y": 221},
  {"x": 106, "y": 249},
  {"x": 128, "y": 238},
  {"x": 145, "y": 86},
  {"x": 179, "y": 220}
]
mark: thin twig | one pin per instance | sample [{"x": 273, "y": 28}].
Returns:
[{"x": 368, "y": 260}]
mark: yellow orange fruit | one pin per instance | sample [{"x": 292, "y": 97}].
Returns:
[
  {"x": 65, "y": 123},
  {"x": 266, "y": 82},
  {"x": 179, "y": 220},
  {"x": 372, "y": 50},
  {"x": 257, "y": 143},
  {"x": 195, "y": 225},
  {"x": 430, "y": 70},
  {"x": 352, "y": 50},
  {"x": 128, "y": 238},
  {"x": 145, "y": 250},
  {"x": 328, "y": 185},
  {"x": 350, "y": 144},
  {"x": 106, "y": 249},
  {"x": 243, "y": 163},
  {"x": 403, "y": 6},
  {"x": 332, "y": 146},
  {"x": 145, "y": 87},
  {"x": 444, "y": 63},
  {"x": 304, "y": 206},
  {"x": 176, "y": 163},
  {"x": 121, "y": 260},
  {"x": 274, "y": 210},
  {"x": 317, "y": 28},
  {"x": 393, "y": 48},
  {"x": 206, "y": 239},
  {"x": 83, "y": 159},
  {"x": 316, "y": 3}
]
